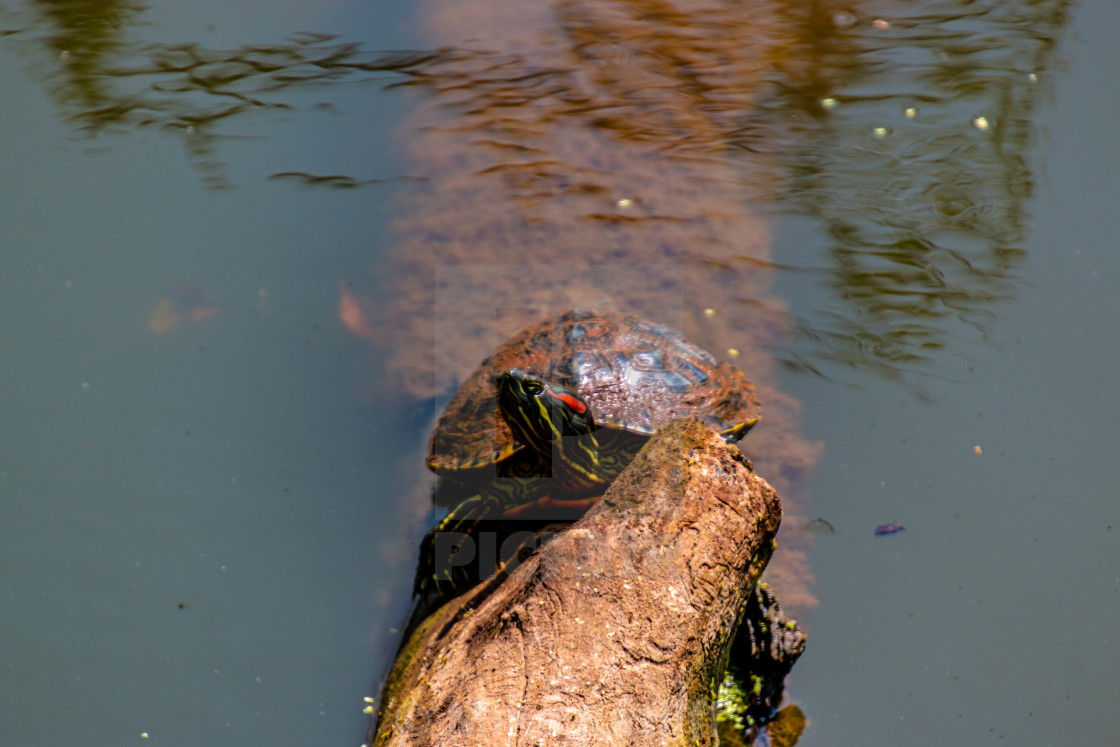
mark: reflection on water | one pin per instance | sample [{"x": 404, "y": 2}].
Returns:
[
  {"x": 903, "y": 130},
  {"x": 644, "y": 129},
  {"x": 107, "y": 81},
  {"x": 85, "y": 37},
  {"x": 624, "y": 154}
]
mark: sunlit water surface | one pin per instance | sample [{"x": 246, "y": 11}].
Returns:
[{"x": 208, "y": 480}]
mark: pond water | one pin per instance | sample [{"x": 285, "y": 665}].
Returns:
[{"x": 244, "y": 257}]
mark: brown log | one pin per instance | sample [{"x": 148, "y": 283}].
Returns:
[{"x": 616, "y": 631}]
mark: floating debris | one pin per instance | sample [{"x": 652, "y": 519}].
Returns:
[
  {"x": 819, "y": 525},
  {"x": 893, "y": 528},
  {"x": 183, "y": 306},
  {"x": 351, "y": 314},
  {"x": 264, "y": 308}
]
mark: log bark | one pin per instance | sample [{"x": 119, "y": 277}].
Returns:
[{"x": 614, "y": 632}]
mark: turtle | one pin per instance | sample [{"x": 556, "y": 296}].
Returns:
[
  {"x": 635, "y": 375},
  {"x": 554, "y": 415}
]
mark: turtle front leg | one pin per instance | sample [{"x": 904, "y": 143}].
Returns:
[{"x": 456, "y": 554}]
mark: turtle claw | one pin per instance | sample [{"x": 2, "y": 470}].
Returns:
[{"x": 735, "y": 432}]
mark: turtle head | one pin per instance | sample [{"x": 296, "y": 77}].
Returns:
[{"x": 541, "y": 412}]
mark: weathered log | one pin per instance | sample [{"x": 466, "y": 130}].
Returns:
[{"x": 616, "y": 631}]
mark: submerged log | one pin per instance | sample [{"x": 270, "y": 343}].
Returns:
[{"x": 616, "y": 631}]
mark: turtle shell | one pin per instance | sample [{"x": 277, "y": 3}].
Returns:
[{"x": 636, "y": 375}]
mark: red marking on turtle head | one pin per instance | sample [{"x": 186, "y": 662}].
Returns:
[{"x": 573, "y": 402}]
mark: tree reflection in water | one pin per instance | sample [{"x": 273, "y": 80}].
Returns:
[
  {"x": 908, "y": 139},
  {"x": 904, "y": 130}
]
